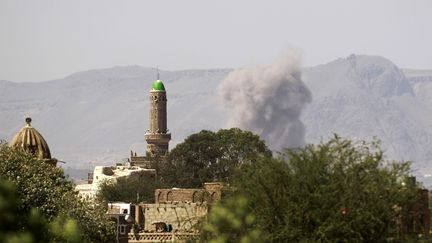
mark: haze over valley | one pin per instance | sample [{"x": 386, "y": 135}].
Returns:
[{"x": 96, "y": 117}]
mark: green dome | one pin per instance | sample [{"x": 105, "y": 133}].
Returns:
[{"x": 158, "y": 85}]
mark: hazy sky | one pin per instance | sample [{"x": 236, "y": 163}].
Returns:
[{"x": 43, "y": 40}]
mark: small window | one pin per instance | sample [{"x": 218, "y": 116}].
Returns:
[
  {"x": 170, "y": 196},
  {"x": 160, "y": 197},
  {"x": 195, "y": 197},
  {"x": 125, "y": 211},
  {"x": 122, "y": 229}
]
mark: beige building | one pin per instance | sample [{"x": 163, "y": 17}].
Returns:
[
  {"x": 181, "y": 208},
  {"x": 106, "y": 173},
  {"x": 175, "y": 215}
]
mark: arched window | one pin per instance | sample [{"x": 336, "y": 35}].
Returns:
[
  {"x": 195, "y": 197},
  {"x": 160, "y": 197},
  {"x": 170, "y": 196}
]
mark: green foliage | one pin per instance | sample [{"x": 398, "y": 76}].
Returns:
[
  {"x": 136, "y": 188},
  {"x": 66, "y": 230},
  {"x": 44, "y": 188},
  {"x": 337, "y": 191},
  {"x": 230, "y": 221},
  {"x": 39, "y": 185},
  {"x": 208, "y": 156},
  {"x": 92, "y": 220},
  {"x": 31, "y": 227}
]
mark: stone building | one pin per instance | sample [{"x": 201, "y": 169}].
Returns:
[
  {"x": 181, "y": 208},
  {"x": 123, "y": 215},
  {"x": 175, "y": 215},
  {"x": 30, "y": 140},
  {"x": 158, "y": 135},
  {"x": 212, "y": 191}
]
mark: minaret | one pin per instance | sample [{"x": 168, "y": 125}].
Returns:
[{"x": 157, "y": 136}]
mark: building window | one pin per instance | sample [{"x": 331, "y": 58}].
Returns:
[
  {"x": 196, "y": 197},
  {"x": 160, "y": 197},
  {"x": 170, "y": 196},
  {"x": 122, "y": 229}
]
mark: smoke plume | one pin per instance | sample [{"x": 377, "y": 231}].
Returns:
[{"x": 268, "y": 100}]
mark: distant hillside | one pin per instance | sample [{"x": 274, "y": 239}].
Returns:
[
  {"x": 364, "y": 97},
  {"x": 417, "y": 72},
  {"x": 98, "y": 116}
]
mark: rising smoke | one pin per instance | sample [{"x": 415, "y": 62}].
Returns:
[{"x": 268, "y": 100}]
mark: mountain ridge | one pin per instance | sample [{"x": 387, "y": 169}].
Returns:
[{"x": 98, "y": 116}]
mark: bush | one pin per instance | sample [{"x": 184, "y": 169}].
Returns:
[
  {"x": 337, "y": 191},
  {"x": 42, "y": 187}
]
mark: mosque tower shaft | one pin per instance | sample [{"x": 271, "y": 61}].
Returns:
[
  {"x": 158, "y": 112},
  {"x": 157, "y": 136}
]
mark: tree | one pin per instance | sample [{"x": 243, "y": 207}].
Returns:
[
  {"x": 136, "y": 188},
  {"x": 44, "y": 188},
  {"x": 231, "y": 221},
  {"x": 31, "y": 226},
  {"x": 337, "y": 191},
  {"x": 209, "y": 156}
]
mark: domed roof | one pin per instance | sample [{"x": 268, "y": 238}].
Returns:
[
  {"x": 32, "y": 141},
  {"x": 158, "y": 86}
]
